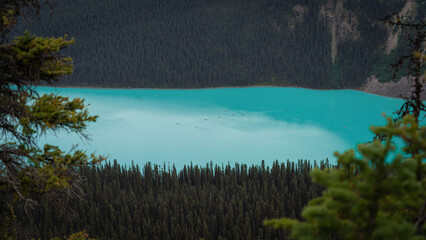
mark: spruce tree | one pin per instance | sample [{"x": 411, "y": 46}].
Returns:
[
  {"x": 372, "y": 197},
  {"x": 26, "y": 169}
]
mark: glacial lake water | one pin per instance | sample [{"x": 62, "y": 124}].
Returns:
[{"x": 244, "y": 125}]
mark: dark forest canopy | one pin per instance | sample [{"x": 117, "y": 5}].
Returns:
[
  {"x": 193, "y": 43},
  {"x": 159, "y": 202}
]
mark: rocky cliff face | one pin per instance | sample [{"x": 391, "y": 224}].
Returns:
[
  {"x": 300, "y": 12},
  {"x": 403, "y": 87},
  {"x": 407, "y": 13},
  {"x": 400, "y": 89},
  {"x": 342, "y": 23}
]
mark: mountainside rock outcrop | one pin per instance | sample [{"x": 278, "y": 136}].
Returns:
[
  {"x": 400, "y": 89},
  {"x": 343, "y": 24}
]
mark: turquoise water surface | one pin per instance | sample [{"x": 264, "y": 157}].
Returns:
[{"x": 244, "y": 125}]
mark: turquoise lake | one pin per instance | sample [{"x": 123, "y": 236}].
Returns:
[{"x": 244, "y": 125}]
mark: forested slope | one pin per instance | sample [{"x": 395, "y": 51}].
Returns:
[
  {"x": 210, "y": 43},
  {"x": 156, "y": 202}
]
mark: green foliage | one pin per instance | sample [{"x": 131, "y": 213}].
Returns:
[
  {"x": 193, "y": 44},
  {"x": 335, "y": 75},
  {"x": 158, "y": 202},
  {"x": 377, "y": 196},
  {"x": 76, "y": 236},
  {"x": 381, "y": 67},
  {"x": 38, "y": 54},
  {"x": 26, "y": 170},
  {"x": 26, "y": 62},
  {"x": 7, "y": 223},
  {"x": 370, "y": 197},
  {"x": 52, "y": 112},
  {"x": 83, "y": 235}
]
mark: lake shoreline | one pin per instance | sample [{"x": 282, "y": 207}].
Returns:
[
  {"x": 260, "y": 86},
  {"x": 399, "y": 89},
  {"x": 234, "y": 124}
]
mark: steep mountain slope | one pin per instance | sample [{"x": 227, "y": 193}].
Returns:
[{"x": 195, "y": 43}]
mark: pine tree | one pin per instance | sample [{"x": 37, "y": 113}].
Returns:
[
  {"x": 27, "y": 170},
  {"x": 25, "y": 62}
]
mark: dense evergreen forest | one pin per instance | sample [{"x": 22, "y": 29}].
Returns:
[
  {"x": 40, "y": 190},
  {"x": 211, "y": 43},
  {"x": 159, "y": 202}
]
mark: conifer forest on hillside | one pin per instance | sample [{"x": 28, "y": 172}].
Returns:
[
  {"x": 195, "y": 44},
  {"x": 375, "y": 191}
]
